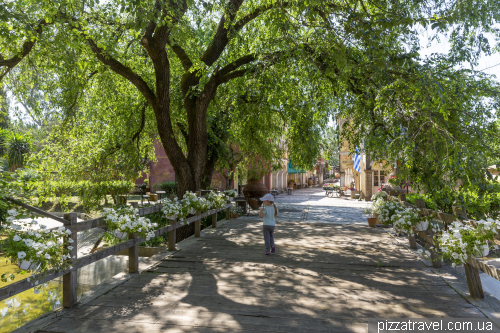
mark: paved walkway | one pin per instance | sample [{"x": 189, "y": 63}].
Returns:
[{"x": 329, "y": 276}]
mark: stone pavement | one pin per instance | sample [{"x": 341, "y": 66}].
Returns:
[{"x": 331, "y": 272}]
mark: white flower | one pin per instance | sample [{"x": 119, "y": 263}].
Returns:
[
  {"x": 68, "y": 231},
  {"x": 17, "y": 238},
  {"x": 70, "y": 240},
  {"x": 21, "y": 255},
  {"x": 12, "y": 212},
  {"x": 70, "y": 248},
  {"x": 47, "y": 256},
  {"x": 10, "y": 219},
  {"x": 39, "y": 253},
  {"x": 43, "y": 226},
  {"x": 28, "y": 242}
]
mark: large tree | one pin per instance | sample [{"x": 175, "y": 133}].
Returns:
[{"x": 178, "y": 55}]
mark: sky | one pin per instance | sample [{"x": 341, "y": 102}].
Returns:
[{"x": 487, "y": 64}]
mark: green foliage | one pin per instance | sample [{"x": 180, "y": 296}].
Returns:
[
  {"x": 90, "y": 194},
  {"x": 17, "y": 146},
  {"x": 169, "y": 188},
  {"x": 429, "y": 203}
]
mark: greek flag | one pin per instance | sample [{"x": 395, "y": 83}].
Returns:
[{"x": 357, "y": 161}]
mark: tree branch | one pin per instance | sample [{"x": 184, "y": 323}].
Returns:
[
  {"x": 26, "y": 48},
  {"x": 235, "y": 64},
  {"x": 182, "y": 55},
  {"x": 220, "y": 40},
  {"x": 249, "y": 17},
  {"x": 124, "y": 71}
]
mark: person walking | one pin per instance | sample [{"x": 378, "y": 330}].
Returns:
[{"x": 268, "y": 212}]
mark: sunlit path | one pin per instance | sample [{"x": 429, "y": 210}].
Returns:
[{"x": 325, "y": 277}]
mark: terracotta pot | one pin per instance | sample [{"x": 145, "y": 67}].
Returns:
[
  {"x": 234, "y": 216},
  {"x": 290, "y": 184},
  {"x": 254, "y": 190},
  {"x": 372, "y": 221},
  {"x": 309, "y": 182}
]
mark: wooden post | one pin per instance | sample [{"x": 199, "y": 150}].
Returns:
[
  {"x": 474, "y": 282},
  {"x": 402, "y": 197},
  {"x": 133, "y": 256},
  {"x": 171, "y": 237},
  {"x": 413, "y": 242},
  {"x": 460, "y": 212},
  {"x": 214, "y": 220},
  {"x": 436, "y": 262},
  {"x": 228, "y": 211},
  {"x": 197, "y": 226},
  {"x": 420, "y": 203},
  {"x": 69, "y": 279}
]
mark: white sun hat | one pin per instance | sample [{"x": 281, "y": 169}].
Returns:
[{"x": 267, "y": 197}]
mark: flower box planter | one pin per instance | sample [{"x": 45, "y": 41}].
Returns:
[
  {"x": 353, "y": 194},
  {"x": 120, "y": 234},
  {"x": 422, "y": 226},
  {"x": 27, "y": 265}
]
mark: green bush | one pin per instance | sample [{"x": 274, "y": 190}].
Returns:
[
  {"x": 429, "y": 203},
  {"x": 169, "y": 187},
  {"x": 90, "y": 193}
]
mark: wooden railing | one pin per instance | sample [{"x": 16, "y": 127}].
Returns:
[
  {"x": 472, "y": 266},
  {"x": 132, "y": 244}
]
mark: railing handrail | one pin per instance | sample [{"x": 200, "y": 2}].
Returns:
[{"x": 23, "y": 285}]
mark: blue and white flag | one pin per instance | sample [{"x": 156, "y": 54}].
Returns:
[{"x": 357, "y": 161}]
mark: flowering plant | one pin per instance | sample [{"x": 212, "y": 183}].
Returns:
[
  {"x": 237, "y": 210},
  {"x": 462, "y": 241},
  {"x": 172, "y": 209},
  {"x": 124, "y": 220},
  {"x": 386, "y": 210},
  {"x": 216, "y": 200},
  {"x": 405, "y": 219},
  {"x": 380, "y": 194},
  {"x": 230, "y": 193},
  {"x": 33, "y": 247},
  {"x": 189, "y": 200}
]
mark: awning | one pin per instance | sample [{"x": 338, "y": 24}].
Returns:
[{"x": 291, "y": 169}]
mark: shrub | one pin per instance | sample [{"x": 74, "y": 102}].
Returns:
[{"x": 169, "y": 187}]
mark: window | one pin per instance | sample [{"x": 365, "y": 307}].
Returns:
[
  {"x": 375, "y": 178},
  {"x": 382, "y": 177}
]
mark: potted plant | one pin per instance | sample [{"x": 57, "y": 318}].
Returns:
[
  {"x": 372, "y": 221},
  {"x": 231, "y": 194},
  {"x": 353, "y": 192},
  {"x": 235, "y": 211}
]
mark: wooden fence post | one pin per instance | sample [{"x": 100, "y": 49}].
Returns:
[
  {"x": 460, "y": 212},
  {"x": 228, "y": 211},
  {"x": 474, "y": 282},
  {"x": 171, "y": 237},
  {"x": 133, "y": 256},
  {"x": 436, "y": 262},
  {"x": 197, "y": 226},
  {"x": 413, "y": 242},
  {"x": 69, "y": 279},
  {"x": 420, "y": 203},
  {"x": 214, "y": 220}
]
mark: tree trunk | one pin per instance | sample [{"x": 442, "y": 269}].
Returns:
[{"x": 208, "y": 171}]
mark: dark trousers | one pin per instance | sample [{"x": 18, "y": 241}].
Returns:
[{"x": 268, "y": 231}]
